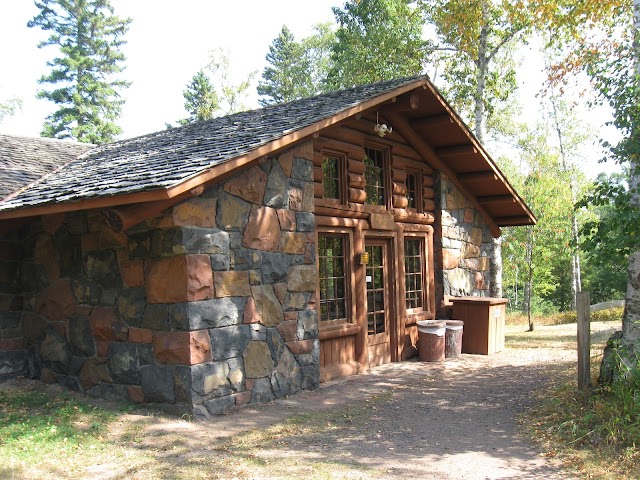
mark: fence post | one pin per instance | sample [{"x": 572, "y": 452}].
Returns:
[{"x": 584, "y": 340}]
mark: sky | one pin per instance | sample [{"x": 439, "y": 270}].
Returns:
[{"x": 169, "y": 41}]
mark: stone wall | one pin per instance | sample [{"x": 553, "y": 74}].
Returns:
[
  {"x": 462, "y": 245},
  {"x": 207, "y": 307}
]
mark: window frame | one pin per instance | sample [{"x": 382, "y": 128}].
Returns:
[
  {"x": 349, "y": 307},
  {"x": 424, "y": 271},
  {"x": 342, "y": 177},
  {"x": 418, "y": 192}
]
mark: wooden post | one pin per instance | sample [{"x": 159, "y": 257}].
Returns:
[{"x": 584, "y": 340}]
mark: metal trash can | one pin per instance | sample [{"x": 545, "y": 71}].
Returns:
[
  {"x": 431, "y": 340},
  {"x": 453, "y": 338}
]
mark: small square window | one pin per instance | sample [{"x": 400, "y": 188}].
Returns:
[
  {"x": 331, "y": 180},
  {"x": 374, "y": 176},
  {"x": 412, "y": 190}
]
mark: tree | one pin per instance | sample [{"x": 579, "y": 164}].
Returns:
[
  {"x": 9, "y": 107},
  {"x": 470, "y": 36},
  {"x": 211, "y": 92},
  {"x": 376, "y": 40},
  {"x": 82, "y": 78},
  {"x": 288, "y": 75},
  {"x": 200, "y": 98}
]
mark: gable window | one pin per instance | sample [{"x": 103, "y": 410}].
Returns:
[
  {"x": 374, "y": 176},
  {"x": 412, "y": 190},
  {"x": 332, "y": 276},
  {"x": 332, "y": 176},
  {"x": 414, "y": 272}
]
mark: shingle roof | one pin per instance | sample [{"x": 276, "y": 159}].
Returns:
[
  {"x": 24, "y": 160},
  {"x": 168, "y": 158}
]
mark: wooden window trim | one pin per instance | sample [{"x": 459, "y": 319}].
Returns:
[
  {"x": 350, "y": 307},
  {"x": 342, "y": 177},
  {"x": 426, "y": 311}
]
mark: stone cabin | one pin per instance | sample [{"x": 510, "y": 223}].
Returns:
[{"x": 246, "y": 258}]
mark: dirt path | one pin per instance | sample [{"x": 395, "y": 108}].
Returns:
[{"x": 450, "y": 420}]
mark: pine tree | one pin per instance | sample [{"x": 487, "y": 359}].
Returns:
[
  {"x": 82, "y": 77},
  {"x": 288, "y": 76},
  {"x": 376, "y": 40},
  {"x": 200, "y": 99}
]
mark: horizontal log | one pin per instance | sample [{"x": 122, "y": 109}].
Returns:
[
  {"x": 318, "y": 174},
  {"x": 318, "y": 158},
  {"x": 333, "y": 221},
  {"x": 399, "y": 161},
  {"x": 356, "y": 181},
  {"x": 347, "y": 148},
  {"x": 335, "y": 331},
  {"x": 318, "y": 190},
  {"x": 427, "y": 181},
  {"x": 398, "y": 175},
  {"x": 399, "y": 188},
  {"x": 404, "y": 216},
  {"x": 428, "y": 192},
  {"x": 120, "y": 219},
  {"x": 357, "y": 195},
  {"x": 355, "y": 166},
  {"x": 400, "y": 201},
  {"x": 428, "y": 205},
  {"x": 433, "y": 121}
]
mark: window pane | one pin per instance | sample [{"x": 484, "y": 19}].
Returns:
[
  {"x": 413, "y": 272},
  {"x": 374, "y": 176},
  {"x": 331, "y": 177},
  {"x": 411, "y": 190},
  {"x": 331, "y": 258}
]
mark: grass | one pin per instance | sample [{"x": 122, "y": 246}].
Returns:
[{"x": 596, "y": 433}]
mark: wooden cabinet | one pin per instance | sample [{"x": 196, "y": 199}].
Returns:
[{"x": 484, "y": 323}]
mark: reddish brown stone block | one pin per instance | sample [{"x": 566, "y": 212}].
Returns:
[
  {"x": 469, "y": 215},
  {"x": 102, "y": 348},
  {"x": 263, "y": 230},
  {"x": 51, "y": 223},
  {"x": 131, "y": 271},
  {"x": 299, "y": 347},
  {"x": 287, "y": 219},
  {"x": 295, "y": 199},
  {"x": 195, "y": 212},
  {"x": 286, "y": 162},
  {"x": 89, "y": 242},
  {"x": 293, "y": 243},
  {"x": 140, "y": 335},
  {"x": 11, "y": 344},
  {"x": 304, "y": 150},
  {"x": 102, "y": 320},
  {"x": 184, "y": 278},
  {"x": 450, "y": 258},
  {"x": 251, "y": 314},
  {"x": 56, "y": 302},
  {"x": 249, "y": 186},
  {"x": 84, "y": 310},
  {"x": 182, "y": 348},
  {"x": 242, "y": 398},
  {"x": 291, "y": 316},
  {"x": 88, "y": 376},
  {"x": 289, "y": 329},
  {"x": 135, "y": 393},
  {"x": 234, "y": 283},
  {"x": 46, "y": 254}
]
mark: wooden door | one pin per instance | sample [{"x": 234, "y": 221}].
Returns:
[{"x": 378, "y": 302}]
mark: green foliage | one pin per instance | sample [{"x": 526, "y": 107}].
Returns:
[
  {"x": 211, "y": 92},
  {"x": 200, "y": 98},
  {"x": 9, "y": 107},
  {"x": 38, "y": 423},
  {"x": 296, "y": 69},
  {"x": 376, "y": 40},
  {"x": 82, "y": 78}
]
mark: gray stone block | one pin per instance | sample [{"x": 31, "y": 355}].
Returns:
[
  {"x": 218, "y": 406},
  {"x": 156, "y": 317},
  {"x": 276, "y": 194},
  {"x": 85, "y": 291},
  {"x": 210, "y": 380},
  {"x": 302, "y": 169},
  {"x": 229, "y": 342},
  {"x": 12, "y": 362},
  {"x": 214, "y": 313},
  {"x": 102, "y": 268},
  {"x": 261, "y": 392},
  {"x": 109, "y": 391},
  {"x": 123, "y": 363},
  {"x": 10, "y": 319},
  {"x": 275, "y": 267},
  {"x": 305, "y": 222},
  {"x": 54, "y": 352},
  {"x": 80, "y": 338},
  {"x": 157, "y": 383},
  {"x": 130, "y": 306}
]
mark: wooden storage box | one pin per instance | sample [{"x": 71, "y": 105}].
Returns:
[{"x": 484, "y": 323}]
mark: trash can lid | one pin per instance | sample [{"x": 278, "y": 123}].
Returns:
[
  {"x": 454, "y": 323},
  {"x": 431, "y": 323}
]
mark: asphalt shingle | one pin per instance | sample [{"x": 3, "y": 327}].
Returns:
[{"x": 169, "y": 157}]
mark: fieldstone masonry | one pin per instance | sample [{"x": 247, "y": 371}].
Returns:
[
  {"x": 207, "y": 307},
  {"x": 462, "y": 249}
]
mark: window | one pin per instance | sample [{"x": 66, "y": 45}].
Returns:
[
  {"x": 414, "y": 273},
  {"x": 374, "y": 176},
  {"x": 331, "y": 259},
  {"x": 331, "y": 169},
  {"x": 412, "y": 190}
]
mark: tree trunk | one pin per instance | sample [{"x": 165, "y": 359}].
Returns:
[{"x": 528, "y": 288}]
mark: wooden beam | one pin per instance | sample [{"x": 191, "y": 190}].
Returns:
[
  {"x": 456, "y": 151},
  {"x": 424, "y": 149},
  {"x": 434, "y": 121},
  {"x": 513, "y": 221},
  {"x": 496, "y": 199},
  {"x": 478, "y": 177}
]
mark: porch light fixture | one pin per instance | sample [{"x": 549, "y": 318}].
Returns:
[
  {"x": 364, "y": 258},
  {"x": 381, "y": 128}
]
